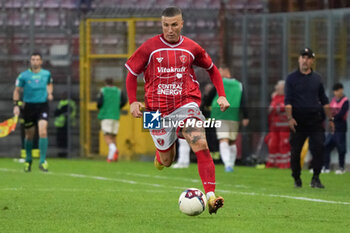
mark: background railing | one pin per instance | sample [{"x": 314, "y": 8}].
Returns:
[{"x": 259, "y": 47}]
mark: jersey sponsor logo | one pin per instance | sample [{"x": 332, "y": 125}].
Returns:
[
  {"x": 183, "y": 58},
  {"x": 169, "y": 89},
  {"x": 171, "y": 70},
  {"x": 151, "y": 120},
  {"x": 160, "y": 141},
  {"x": 158, "y": 132},
  {"x": 159, "y": 59}
]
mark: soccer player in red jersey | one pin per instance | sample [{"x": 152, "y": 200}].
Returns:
[{"x": 172, "y": 90}]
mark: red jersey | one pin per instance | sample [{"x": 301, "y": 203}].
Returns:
[
  {"x": 278, "y": 116},
  {"x": 170, "y": 81}
]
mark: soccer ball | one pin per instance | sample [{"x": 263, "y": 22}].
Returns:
[{"x": 192, "y": 202}]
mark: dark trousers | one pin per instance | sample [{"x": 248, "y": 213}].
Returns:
[
  {"x": 315, "y": 132},
  {"x": 61, "y": 140},
  {"x": 336, "y": 140}
]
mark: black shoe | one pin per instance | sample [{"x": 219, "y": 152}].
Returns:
[
  {"x": 298, "y": 183},
  {"x": 316, "y": 183}
]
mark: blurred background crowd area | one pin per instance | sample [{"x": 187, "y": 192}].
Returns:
[{"x": 85, "y": 41}]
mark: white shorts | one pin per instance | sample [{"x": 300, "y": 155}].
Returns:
[
  {"x": 109, "y": 126},
  {"x": 229, "y": 129},
  {"x": 165, "y": 137}
]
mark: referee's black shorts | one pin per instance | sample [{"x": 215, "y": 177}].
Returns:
[{"x": 33, "y": 112}]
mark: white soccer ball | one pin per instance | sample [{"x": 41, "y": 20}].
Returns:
[{"x": 192, "y": 202}]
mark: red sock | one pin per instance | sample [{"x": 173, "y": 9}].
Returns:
[
  {"x": 206, "y": 169},
  {"x": 158, "y": 157}
]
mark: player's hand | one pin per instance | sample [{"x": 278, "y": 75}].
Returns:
[
  {"x": 245, "y": 122},
  {"x": 223, "y": 103},
  {"x": 50, "y": 97},
  {"x": 292, "y": 123},
  {"x": 135, "y": 109},
  {"x": 16, "y": 110},
  {"x": 331, "y": 127}
]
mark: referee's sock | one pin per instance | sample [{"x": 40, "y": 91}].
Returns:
[
  {"x": 43, "y": 144},
  {"x": 28, "y": 145}
]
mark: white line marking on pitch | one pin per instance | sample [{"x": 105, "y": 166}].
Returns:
[
  {"x": 177, "y": 178},
  {"x": 159, "y": 177},
  {"x": 284, "y": 196},
  {"x": 84, "y": 190},
  {"x": 176, "y": 187}
]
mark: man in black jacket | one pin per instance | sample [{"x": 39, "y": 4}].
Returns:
[{"x": 305, "y": 97}]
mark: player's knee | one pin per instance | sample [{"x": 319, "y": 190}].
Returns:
[
  {"x": 29, "y": 137},
  {"x": 42, "y": 134},
  {"x": 200, "y": 145}
]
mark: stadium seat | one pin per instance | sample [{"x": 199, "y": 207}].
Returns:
[
  {"x": 51, "y": 4},
  {"x": 14, "y": 18},
  {"x": 14, "y": 3},
  {"x": 236, "y": 5},
  {"x": 255, "y": 5},
  {"x": 67, "y": 4},
  {"x": 184, "y": 4},
  {"x": 52, "y": 19}
]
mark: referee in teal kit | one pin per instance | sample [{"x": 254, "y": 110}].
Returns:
[
  {"x": 37, "y": 87},
  {"x": 304, "y": 99}
]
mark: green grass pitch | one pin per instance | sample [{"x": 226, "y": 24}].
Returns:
[{"x": 93, "y": 196}]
